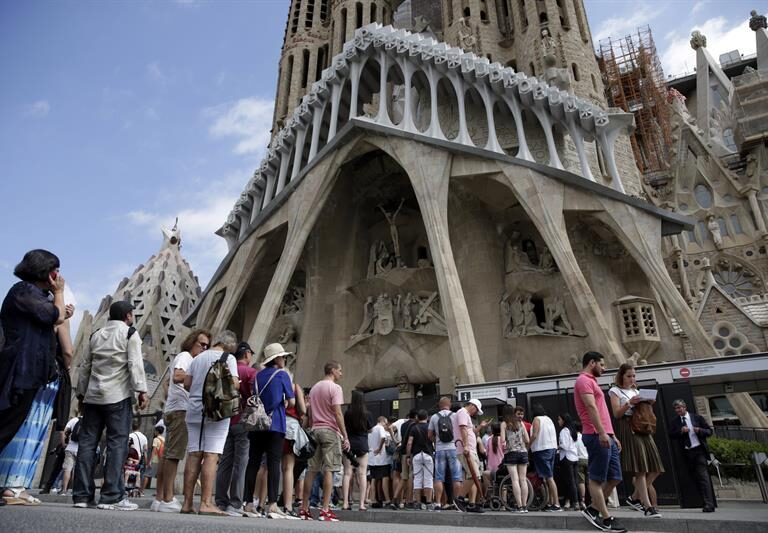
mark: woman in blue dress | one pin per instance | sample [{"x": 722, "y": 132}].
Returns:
[{"x": 30, "y": 311}]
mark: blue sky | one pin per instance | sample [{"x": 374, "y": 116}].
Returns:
[{"x": 118, "y": 116}]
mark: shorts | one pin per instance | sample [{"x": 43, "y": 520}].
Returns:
[
  {"x": 475, "y": 462},
  {"x": 380, "y": 472},
  {"x": 581, "y": 470},
  {"x": 214, "y": 436},
  {"x": 291, "y": 428},
  {"x": 603, "y": 463},
  {"x": 151, "y": 471},
  {"x": 516, "y": 458},
  {"x": 70, "y": 458},
  {"x": 449, "y": 459},
  {"x": 327, "y": 457},
  {"x": 176, "y": 435},
  {"x": 544, "y": 463}
]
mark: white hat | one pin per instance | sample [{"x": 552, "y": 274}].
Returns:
[
  {"x": 274, "y": 350},
  {"x": 476, "y": 403}
]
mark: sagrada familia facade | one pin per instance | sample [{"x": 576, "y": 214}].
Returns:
[{"x": 451, "y": 195}]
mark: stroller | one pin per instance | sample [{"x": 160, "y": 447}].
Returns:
[{"x": 132, "y": 473}]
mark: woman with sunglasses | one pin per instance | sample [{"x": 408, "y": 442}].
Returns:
[{"x": 174, "y": 417}]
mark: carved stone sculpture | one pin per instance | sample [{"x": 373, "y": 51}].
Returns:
[
  {"x": 467, "y": 39},
  {"x": 529, "y": 318},
  {"x": 391, "y": 219},
  {"x": 384, "y": 321},
  {"x": 546, "y": 261},
  {"x": 698, "y": 40},
  {"x": 554, "y": 312},
  {"x": 366, "y": 327},
  {"x": 548, "y": 47},
  {"x": 714, "y": 229},
  {"x": 293, "y": 302},
  {"x": 757, "y": 21}
]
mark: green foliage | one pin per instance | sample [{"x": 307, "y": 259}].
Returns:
[{"x": 731, "y": 452}]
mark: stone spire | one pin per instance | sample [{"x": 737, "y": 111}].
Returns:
[{"x": 163, "y": 292}]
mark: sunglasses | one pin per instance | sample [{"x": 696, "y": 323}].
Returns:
[{"x": 203, "y": 345}]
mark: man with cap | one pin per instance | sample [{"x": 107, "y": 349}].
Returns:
[
  {"x": 273, "y": 385},
  {"x": 111, "y": 372},
  {"x": 466, "y": 448},
  {"x": 230, "y": 476}
]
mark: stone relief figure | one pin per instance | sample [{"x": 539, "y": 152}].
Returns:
[
  {"x": 518, "y": 316},
  {"x": 529, "y": 318},
  {"x": 366, "y": 328},
  {"x": 380, "y": 260},
  {"x": 698, "y": 40},
  {"x": 467, "y": 39},
  {"x": 546, "y": 261},
  {"x": 714, "y": 229},
  {"x": 516, "y": 260},
  {"x": 554, "y": 311},
  {"x": 384, "y": 321},
  {"x": 506, "y": 315},
  {"x": 391, "y": 219},
  {"x": 293, "y": 302},
  {"x": 548, "y": 47},
  {"x": 757, "y": 21}
]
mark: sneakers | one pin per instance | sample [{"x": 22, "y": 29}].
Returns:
[
  {"x": 231, "y": 511},
  {"x": 593, "y": 516},
  {"x": 634, "y": 504},
  {"x": 122, "y": 505},
  {"x": 173, "y": 506},
  {"x": 611, "y": 524},
  {"x": 553, "y": 509},
  {"x": 475, "y": 508},
  {"x": 154, "y": 506},
  {"x": 461, "y": 504},
  {"x": 328, "y": 516},
  {"x": 305, "y": 515},
  {"x": 652, "y": 512},
  {"x": 84, "y": 505}
]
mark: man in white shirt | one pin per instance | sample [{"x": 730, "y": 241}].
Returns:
[
  {"x": 70, "y": 437},
  {"x": 380, "y": 462},
  {"x": 111, "y": 372}
]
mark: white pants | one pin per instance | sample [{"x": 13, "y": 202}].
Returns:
[{"x": 423, "y": 471}]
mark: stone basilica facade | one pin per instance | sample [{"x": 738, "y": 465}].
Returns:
[{"x": 449, "y": 200}]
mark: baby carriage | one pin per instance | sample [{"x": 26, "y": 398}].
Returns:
[{"x": 132, "y": 473}]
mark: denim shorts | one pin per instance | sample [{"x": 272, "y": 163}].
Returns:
[
  {"x": 603, "y": 463},
  {"x": 516, "y": 458},
  {"x": 449, "y": 458},
  {"x": 544, "y": 462}
]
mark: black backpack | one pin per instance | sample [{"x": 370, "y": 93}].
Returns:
[
  {"x": 74, "y": 435},
  {"x": 444, "y": 428}
]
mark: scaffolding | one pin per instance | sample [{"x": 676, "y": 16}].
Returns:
[{"x": 634, "y": 82}]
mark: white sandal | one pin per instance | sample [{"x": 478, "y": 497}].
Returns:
[{"x": 19, "y": 496}]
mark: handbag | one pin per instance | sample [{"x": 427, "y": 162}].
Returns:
[
  {"x": 307, "y": 451},
  {"x": 255, "y": 416}
]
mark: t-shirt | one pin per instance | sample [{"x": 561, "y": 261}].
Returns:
[
  {"x": 567, "y": 446},
  {"x": 247, "y": 374},
  {"x": 515, "y": 439},
  {"x": 71, "y": 445},
  {"x": 138, "y": 442},
  {"x": 198, "y": 370},
  {"x": 624, "y": 395},
  {"x": 587, "y": 384},
  {"x": 323, "y": 396},
  {"x": 462, "y": 418},
  {"x": 396, "y": 427},
  {"x": 435, "y": 429},
  {"x": 273, "y": 396},
  {"x": 421, "y": 442},
  {"x": 405, "y": 431},
  {"x": 158, "y": 449},
  {"x": 177, "y": 394},
  {"x": 374, "y": 439},
  {"x": 546, "y": 439}
]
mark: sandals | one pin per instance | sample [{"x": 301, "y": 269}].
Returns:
[{"x": 19, "y": 496}]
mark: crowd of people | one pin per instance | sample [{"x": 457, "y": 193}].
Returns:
[{"x": 284, "y": 449}]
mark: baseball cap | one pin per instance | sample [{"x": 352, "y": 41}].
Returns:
[{"x": 476, "y": 403}]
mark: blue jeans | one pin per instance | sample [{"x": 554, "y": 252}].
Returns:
[
  {"x": 230, "y": 475},
  {"x": 447, "y": 466},
  {"x": 604, "y": 463},
  {"x": 116, "y": 419}
]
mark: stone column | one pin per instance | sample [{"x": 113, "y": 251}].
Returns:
[
  {"x": 542, "y": 198},
  {"x": 640, "y": 234},
  {"x": 684, "y": 284},
  {"x": 751, "y": 194},
  {"x": 429, "y": 171}
]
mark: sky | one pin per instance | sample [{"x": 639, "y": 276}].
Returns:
[{"x": 118, "y": 116}]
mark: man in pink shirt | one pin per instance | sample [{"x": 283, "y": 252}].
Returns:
[
  {"x": 325, "y": 400},
  {"x": 466, "y": 448},
  {"x": 604, "y": 467}
]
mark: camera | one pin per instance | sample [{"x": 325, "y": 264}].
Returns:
[{"x": 352, "y": 458}]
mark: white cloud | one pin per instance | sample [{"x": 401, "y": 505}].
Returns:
[
  {"x": 698, "y": 6},
  {"x": 621, "y": 26},
  {"x": 157, "y": 74},
  {"x": 248, "y": 120},
  {"x": 39, "y": 109},
  {"x": 678, "y": 57}
]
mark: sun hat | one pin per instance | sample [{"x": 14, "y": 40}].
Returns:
[{"x": 272, "y": 351}]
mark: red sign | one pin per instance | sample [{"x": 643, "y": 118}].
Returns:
[{"x": 685, "y": 372}]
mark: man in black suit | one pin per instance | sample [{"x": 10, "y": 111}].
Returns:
[{"x": 692, "y": 431}]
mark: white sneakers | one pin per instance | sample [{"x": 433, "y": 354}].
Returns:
[
  {"x": 173, "y": 506},
  {"x": 231, "y": 511},
  {"x": 122, "y": 505}
]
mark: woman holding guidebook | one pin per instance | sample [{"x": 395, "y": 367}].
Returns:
[{"x": 639, "y": 455}]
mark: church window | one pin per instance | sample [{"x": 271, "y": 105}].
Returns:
[
  {"x": 735, "y": 279},
  {"x": 523, "y": 15},
  {"x": 323, "y": 10},
  {"x": 343, "y": 28},
  {"x": 594, "y": 82},
  {"x": 449, "y": 9},
  {"x": 373, "y": 13},
  {"x": 295, "y": 19},
  {"x": 532, "y": 69},
  {"x": 304, "y": 67},
  {"x": 581, "y": 21},
  {"x": 358, "y": 15},
  {"x": 736, "y": 225},
  {"x": 543, "y": 19},
  {"x": 310, "y": 14},
  {"x": 703, "y": 195},
  {"x": 467, "y": 12},
  {"x": 723, "y": 227},
  {"x": 575, "y": 72},
  {"x": 637, "y": 319},
  {"x": 322, "y": 53},
  {"x": 727, "y": 340}
]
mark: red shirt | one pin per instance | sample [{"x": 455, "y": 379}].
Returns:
[
  {"x": 586, "y": 383},
  {"x": 247, "y": 375}
]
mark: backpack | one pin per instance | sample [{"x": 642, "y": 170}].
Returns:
[
  {"x": 221, "y": 398},
  {"x": 255, "y": 416},
  {"x": 643, "y": 421},
  {"x": 444, "y": 428}
]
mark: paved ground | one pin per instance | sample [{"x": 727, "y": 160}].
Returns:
[{"x": 732, "y": 517}]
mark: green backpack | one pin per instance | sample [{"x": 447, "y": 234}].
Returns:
[{"x": 221, "y": 398}]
